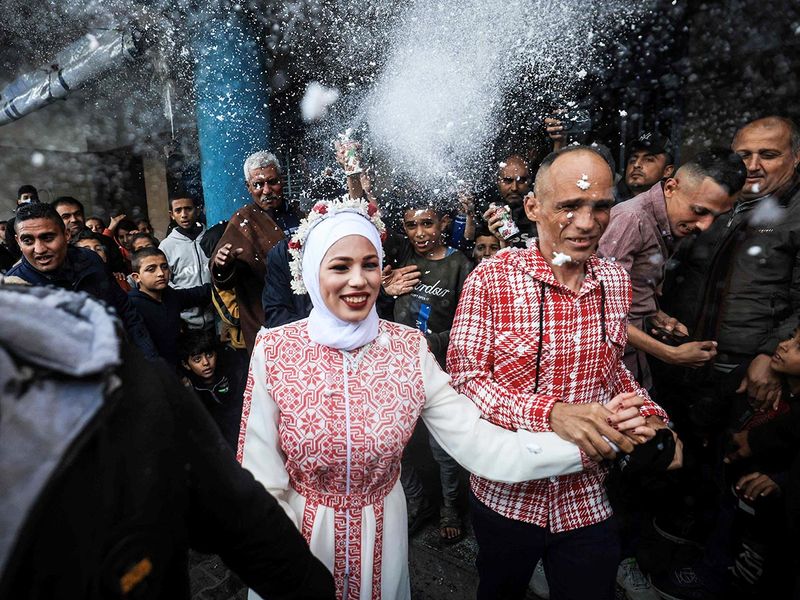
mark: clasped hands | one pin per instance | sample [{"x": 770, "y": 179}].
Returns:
[{"x": 592, "y": 426}]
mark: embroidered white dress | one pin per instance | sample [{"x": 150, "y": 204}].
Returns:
[{"x": 324, "y": 430}]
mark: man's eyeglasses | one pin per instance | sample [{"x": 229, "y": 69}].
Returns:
[{"x": 259, "y": 185}]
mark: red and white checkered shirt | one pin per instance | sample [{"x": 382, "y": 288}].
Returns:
[{"x": 492, "y": 359}]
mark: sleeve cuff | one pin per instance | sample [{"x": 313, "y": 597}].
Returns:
[{"x": 538, "y": 412}]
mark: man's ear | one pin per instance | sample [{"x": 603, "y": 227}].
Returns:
[
  {"x": 670, "y": 185},
  {"x": 445, "y": 220},
  {"x": 669, "y": 171},
  {"x": 185, "y": 365},
  {"x": 532, "y": 206},
  {"x": 135, "y": 277}
]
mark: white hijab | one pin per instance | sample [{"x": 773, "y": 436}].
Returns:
[{"x": 323, "y": 326}]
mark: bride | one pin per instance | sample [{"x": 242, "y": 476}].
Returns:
[{"x": 332, "y": 400}]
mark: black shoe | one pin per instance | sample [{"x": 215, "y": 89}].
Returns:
[{"x": 685, "y": 583}]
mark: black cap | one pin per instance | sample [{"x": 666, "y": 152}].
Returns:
[{"x": 653, "y": 143}]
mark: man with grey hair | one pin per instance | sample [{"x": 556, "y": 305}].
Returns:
[{"x": 239, "y": 259}]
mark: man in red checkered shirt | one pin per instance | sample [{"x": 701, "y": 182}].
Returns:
[{"x": 537, "y": 344}]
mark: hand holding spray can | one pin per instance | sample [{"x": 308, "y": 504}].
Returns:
[
  {"x": 347, "y": 153},
  {"x": 508, "y": 229}
]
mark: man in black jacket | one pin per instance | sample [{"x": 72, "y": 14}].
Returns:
[
  {"x": 739, "y": 283},
  {"x": 48, "y": 260},
  {"x": 111, "y": 470}
]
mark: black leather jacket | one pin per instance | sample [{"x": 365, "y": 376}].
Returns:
[{"x": 739, "y": 282}]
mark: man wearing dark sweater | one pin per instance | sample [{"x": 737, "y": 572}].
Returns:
[{"x": 161, "y": 305}]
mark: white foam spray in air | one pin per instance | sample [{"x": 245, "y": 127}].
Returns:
[{"x": 452, "y": 65}]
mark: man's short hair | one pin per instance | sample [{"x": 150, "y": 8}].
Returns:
[
  {"x": 261, "y": 160},
  {"x": 720, "y": 164},
  {"x": 548, "y": 161},
  {"x": 38, "y": 210},
  {"x": 67, "y": 200},
  {"x": 138, "y": 257},
  {"x": 794, "y": 130},
  {"x": 515, "y": 156},
  {"x": 180, "y": 195},
  {"x": 28, "y": 189},
  {"x": 196, "y": 341}
]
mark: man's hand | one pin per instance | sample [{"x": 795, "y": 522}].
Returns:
[
  {"x": 753, "y": 485},
  {"x": 585, "y": 425},
  {"x": 741, "y": 441},
  {"x": 668, "y": 323},
  {"x": 397, "y": 282},
  {"x": 555, "y": 129},
  {"x": 692, "y": 354},
  {"x": 762, "y": 384},
  {"x": 225, "y": 256}
]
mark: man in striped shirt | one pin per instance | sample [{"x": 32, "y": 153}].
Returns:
[{"x": 537, "y": 344}]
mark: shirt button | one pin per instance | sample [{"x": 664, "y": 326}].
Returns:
[
  {"x": 553, "y": 479},
  {"x": 576, "y": 338},
  {"x": 572, "y": 375}
]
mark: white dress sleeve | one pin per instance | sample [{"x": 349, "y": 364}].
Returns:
[
  {"x": 261, "y": 451},
  {"x": 485, "y": 449}
]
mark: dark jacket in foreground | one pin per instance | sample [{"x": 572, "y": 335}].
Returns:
[
  {"x": 739, "y": 282},
  {"x": 105, "y": 492},
  {"x": 163, "y": 319},
  {"x": 84, "y": 271}
]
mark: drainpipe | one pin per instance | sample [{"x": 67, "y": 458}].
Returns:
[
  {"x": 232, "y": 99},
  {"x": 83, "y": 61}
]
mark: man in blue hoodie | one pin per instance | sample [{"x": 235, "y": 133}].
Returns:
[{"x": 48, "y": 260}]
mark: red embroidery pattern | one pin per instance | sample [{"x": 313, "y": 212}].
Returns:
[{"x": 386, "y": 395}]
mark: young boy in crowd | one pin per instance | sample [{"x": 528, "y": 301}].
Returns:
[
  {"x": 486, "y": 245},
  {"x": 161, "y": 305},
  {"x": 216, "y": 383},
  {"x": 94, "y": 242},
  {"x": 430, "y": 307}
]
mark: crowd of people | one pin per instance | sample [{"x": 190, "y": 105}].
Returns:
[{"x": 603, "y": 366}]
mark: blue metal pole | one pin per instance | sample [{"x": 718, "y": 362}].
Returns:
[{"x": 232, "y": 96}]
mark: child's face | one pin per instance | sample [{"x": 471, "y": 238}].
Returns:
[
  {"x": 94, "y": 246},
  {"x": 424, "y": 230},
  {"x": 95, "y": 225},
  {"x": 485, "y": 247},
  {"x": 786, "y": 359},
  {"x": 153, "y": 273},
  {"x": 202, "y": 365},
  {"x": 140, "y": 243}
]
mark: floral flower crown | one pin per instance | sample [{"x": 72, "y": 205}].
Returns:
[{"x": 322, "y": 210}]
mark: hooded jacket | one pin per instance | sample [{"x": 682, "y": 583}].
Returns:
[
  {"x": 111, "y": 470},
  {"x": 84, "y": 271},
  {"x": 188, "y": 264}
]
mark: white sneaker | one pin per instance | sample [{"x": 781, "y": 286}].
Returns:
[
  {"x": 634, "y": 583},
  {"x": 539, "y": 583}
]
